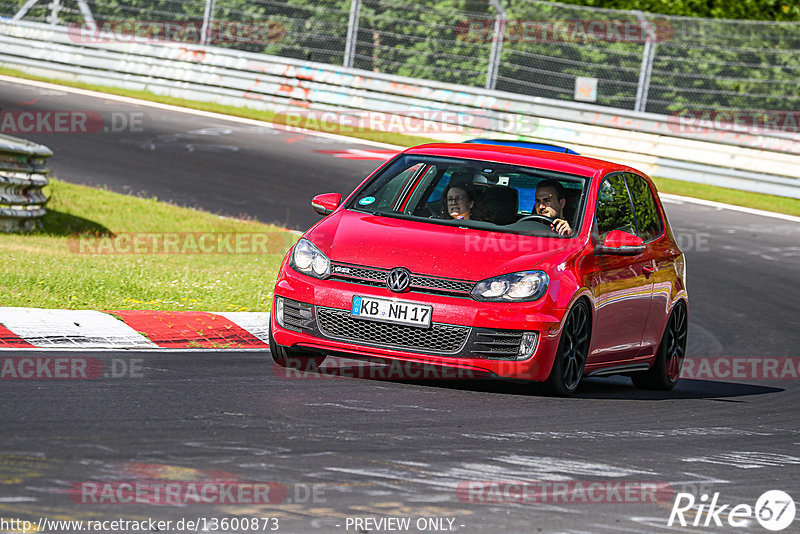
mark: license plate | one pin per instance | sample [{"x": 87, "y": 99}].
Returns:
[{"x": 391, "y": 311}]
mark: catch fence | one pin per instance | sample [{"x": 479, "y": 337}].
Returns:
[{"x": 621, "y": 59}]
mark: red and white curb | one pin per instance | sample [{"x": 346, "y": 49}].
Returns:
[{"x": 35, "y": 328}]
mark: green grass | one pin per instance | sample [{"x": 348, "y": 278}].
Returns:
[
  {"x": 47, "y": 268},
  {"x": 729, "y": 196},
  {"x": 790, "y": 206}
]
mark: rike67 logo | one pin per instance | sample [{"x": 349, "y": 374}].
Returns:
[{"x": 774, "y": 510}]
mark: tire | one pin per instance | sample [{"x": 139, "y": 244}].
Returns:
[
  {"x": 293, "y": 358},
  {"x": 573, "y": 348},
  {"x": 666, "y": 369}
]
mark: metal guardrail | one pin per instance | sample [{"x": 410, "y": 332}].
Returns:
[
  {"x": 23, "y": 174},
  {"x": 763, "y": 163}
]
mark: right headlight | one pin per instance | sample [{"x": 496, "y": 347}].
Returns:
[
  {"x": 515, "y": 287},
  {"x": 308, "y": 259}
]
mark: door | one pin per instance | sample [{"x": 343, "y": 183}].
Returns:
[
  {"x": 660, "y": 250},
  {"x": 622, "y": 285}
]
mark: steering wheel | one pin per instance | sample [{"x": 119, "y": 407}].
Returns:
[{"x": 538, "y": 218}]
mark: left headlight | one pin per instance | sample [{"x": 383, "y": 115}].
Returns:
[
  {"x": 308, "y": 259},
  {"x": 514, "y": 287}
]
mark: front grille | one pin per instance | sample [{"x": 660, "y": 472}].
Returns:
[
  {"x": 419, "y": 283},
  {"x": 439, "y": 338},
  {"x": 366, "y": 274},
  {"x": 429, "y": 282},
  {"x": 497, "y": 344}
]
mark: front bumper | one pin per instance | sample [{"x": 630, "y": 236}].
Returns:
[{"x": 480, "y": 337}]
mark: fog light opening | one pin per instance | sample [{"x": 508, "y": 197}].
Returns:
[
  {"x": 527, "y": 345},
  {"x": 279, "y": 311}
]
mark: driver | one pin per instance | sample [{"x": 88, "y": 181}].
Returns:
[{"x": 550, "y": 201}]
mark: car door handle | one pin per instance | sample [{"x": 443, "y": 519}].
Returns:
[{"x": 648, "y": 270}]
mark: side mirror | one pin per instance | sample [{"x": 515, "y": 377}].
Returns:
[
  {"x": 621, "y": 243},
  {"x": 325, "y": 203}
]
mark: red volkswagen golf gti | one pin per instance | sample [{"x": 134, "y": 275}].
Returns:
[{"x": 501, "y": 261}]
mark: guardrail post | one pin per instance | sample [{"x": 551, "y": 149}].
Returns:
[
  {"x": 497, "y": 44},
  {"x": 352, "y": 33},
  {"x": 23, "y": 174},
  {"x": 648, "y": 55}
]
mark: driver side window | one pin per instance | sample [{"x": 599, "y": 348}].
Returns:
[{"x": 614, "y": 207}]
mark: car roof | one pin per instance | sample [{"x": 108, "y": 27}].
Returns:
[{"x": 579, "y": 165}]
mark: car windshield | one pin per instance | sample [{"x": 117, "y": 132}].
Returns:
[{"x": 483, "y": 195}]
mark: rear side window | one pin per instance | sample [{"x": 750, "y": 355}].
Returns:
[
  {"x": 648, "y": 219},
  {"x": 614, "y": 207}
]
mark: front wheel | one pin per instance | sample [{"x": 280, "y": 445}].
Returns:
[
  {"x": 572, "y": 351},
  {"x": 666, "y": 368},
  {"x": 292, "y": 358}
]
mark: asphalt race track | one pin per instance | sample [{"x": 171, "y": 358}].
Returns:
[
  {"x": 190, "y": 160},
  {"x": 338, "y": 448}
]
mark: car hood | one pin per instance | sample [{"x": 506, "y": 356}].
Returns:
[{"x": 428, "y": 248}]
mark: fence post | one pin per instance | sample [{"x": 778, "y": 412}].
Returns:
[
  {"x": 208, "y": 17},
  {"x": 88, "y": 18},
  {"x": 352, "y": 33},
  {"x": 24, "y": 10},
  {"x": 648, "y": 55},
  {"x": 497, "y": 44},
  {"x": 55, "y": 9}
]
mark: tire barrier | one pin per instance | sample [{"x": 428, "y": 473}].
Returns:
[{"x": 23, "y": 174}]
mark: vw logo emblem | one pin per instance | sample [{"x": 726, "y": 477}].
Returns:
[{"x": 398, "y": 280}]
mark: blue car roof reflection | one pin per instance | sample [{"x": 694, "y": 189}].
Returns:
[{"x": 524, "y": 144}]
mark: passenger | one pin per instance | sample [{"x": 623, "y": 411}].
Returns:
[
  {"x": 550, "y": 201},
  {"x": 459, "y": 201}
]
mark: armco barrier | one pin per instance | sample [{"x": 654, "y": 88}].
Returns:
[
  {"x": 763, "y": 163},
  {"x": 23, "y": 174}
]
